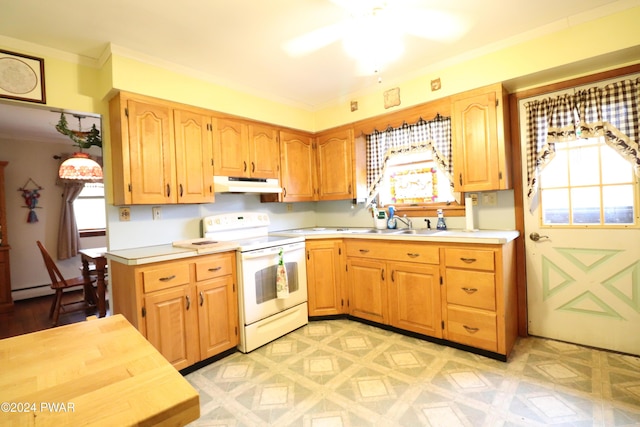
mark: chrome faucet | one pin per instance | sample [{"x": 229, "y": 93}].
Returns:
[{"x": 406, "y": 221}]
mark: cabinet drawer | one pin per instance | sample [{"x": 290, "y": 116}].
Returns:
[
  {"x": 472, "y": 327},
  {"x": 165, "y": 277},
  {"x": 394, "y": 251},
  {"x": 471, "y": 288},
  {"x": 476, "y": 259},
  {"x": 214, "y": 266}
]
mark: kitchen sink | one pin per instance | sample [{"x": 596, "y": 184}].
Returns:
[{"x": 418, "y": 232}]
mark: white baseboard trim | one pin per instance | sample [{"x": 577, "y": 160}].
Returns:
[{"x": 37, "y": 291}]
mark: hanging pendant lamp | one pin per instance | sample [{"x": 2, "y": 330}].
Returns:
[{"x": 80, "y": 167}]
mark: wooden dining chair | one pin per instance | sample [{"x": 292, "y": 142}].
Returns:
[{"x": 59, "y": 284}]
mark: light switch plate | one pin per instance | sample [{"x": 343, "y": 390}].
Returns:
[{"x": 490, "y": 199}]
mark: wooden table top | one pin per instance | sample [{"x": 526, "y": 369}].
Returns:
[{"x": 98, "y": 372}]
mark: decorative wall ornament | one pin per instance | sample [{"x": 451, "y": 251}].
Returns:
[
  {"x": 31, "y": 196},
  {"x": 392, "y": 97},
  {"x": 22, "y": 77}
]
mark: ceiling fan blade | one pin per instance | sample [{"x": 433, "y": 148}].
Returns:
[
  {"x": 314, "y": 40},
  {"x": 431, "y": 24}
]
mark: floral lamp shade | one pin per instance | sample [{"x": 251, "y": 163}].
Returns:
[{"x": 80, "y": 167}]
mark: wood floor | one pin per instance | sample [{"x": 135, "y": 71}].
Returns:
[{"x": 32, "y": 315}]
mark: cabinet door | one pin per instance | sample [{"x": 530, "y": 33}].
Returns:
[
  {"x": 335, "y": 165},
  {"x": 217, "y": 316},
  {"x": 171, "y": 325},
  {"x": 414, "y": 298},
  {"x": 297, "y": 161},
  {"x": 151, "y": 154},
  {"x": 194, "y": 157},
  {"x": 264, "y": 152},
  {"x": 480, "y": 124},
  {"x": 368, "y": 289},
  {"x": 324, "y": 278},
  {"x": 231, "y": 148}
]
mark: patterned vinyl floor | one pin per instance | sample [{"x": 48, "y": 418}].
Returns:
[{"x": 343, "y": 373}]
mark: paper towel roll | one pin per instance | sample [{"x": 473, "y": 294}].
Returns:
[{"x": 468, "y": 214}]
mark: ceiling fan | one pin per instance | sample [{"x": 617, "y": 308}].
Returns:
[{"x": 372, "y": 32}]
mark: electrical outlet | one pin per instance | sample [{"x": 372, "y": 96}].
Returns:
[
  {"x": 155, "y": 211},
  {"x": 124, "y": 214},
  {"x": 490, "y": 199},
  {"x": 474, "y": 199},
  {"x": 289, "y": 207}
]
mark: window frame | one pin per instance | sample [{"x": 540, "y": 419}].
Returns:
[{"x": 92, "y": 232}]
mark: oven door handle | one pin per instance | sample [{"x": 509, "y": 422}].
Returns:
[{"x": 274, "y": 251}]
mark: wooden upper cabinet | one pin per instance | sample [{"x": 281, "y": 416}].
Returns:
[
  {"x": 264, "y": 152},
  {"x": 160, "y": 154},
  {"x": 479, "y": 128},
  {"x": 194, "y": 157},
  {"x": 246, "y": 150},
  {"x": 231, "y": 148},
  {"x": 335, "y": 168},
  {"x": 297, "y": 161},
  {"x": 151, "y": 152}
]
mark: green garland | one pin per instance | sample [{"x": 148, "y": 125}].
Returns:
[{"x": 83, "y": 139}]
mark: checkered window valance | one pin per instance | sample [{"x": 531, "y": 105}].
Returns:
[
  {"x": 433, "y": 135},
  {"x": 611, "y": 111}
]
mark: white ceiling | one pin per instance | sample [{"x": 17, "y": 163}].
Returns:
[{"x": 239, "y": 43}]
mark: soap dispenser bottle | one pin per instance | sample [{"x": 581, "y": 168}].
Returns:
[
  {"x": 441, "y": 225},
  {"x": 391, "y": 222}
]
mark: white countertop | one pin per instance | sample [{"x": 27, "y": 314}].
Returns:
[
  {"x": 149, "y": 254},
  {"x": 168, "y": 252},
  {"x": 496, "y": 237}
]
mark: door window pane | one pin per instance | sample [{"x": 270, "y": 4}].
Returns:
[
  {"x": 588, "y": 183},
  {"x": 555, "y": 207},
  {"x": 617, "y": 204}
]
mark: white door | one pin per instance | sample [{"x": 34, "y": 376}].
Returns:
[{"x": 583, "y": 280}]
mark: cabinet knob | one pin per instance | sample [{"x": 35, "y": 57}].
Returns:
[
  {"x": 468, "y": 260},
  {"x": 471, "y": 329},
  {"x": 245, "y": 166},
  {"x": 412, "y": 255},
  {"x": 469, "y": 290},
  {"x": 201, "y": 299},
  {"x": 215, "y": 268},
  {"x": 166, "y": 279},
  {"x": 188, "y": 301}
]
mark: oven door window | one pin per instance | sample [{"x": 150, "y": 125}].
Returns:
[{"x": 265, "y": 280}]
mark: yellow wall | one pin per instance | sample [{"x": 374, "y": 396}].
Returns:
[
  {"x": 134, "y": 76},
  {"x": 588, "y": 46}
]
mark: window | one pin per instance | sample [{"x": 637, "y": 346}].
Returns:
[
  {"x": 413, "y": 179},
  {"x": 588, "y": 184},
  {"x": 90, "y": 209}
]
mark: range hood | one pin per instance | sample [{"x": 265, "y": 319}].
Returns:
[{"x": 230, "y": 184}]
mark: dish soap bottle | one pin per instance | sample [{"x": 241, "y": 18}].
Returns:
[
  {"x": 441, "y": 224},
  {"x": 391, "y": 222}
]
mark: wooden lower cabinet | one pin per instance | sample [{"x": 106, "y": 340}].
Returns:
[
  {"x": 325, "y": 277},
  {"x": 186, "y": 308},
  {"x": 464, "y": 293},
  {"x": 414, "y": 298},
  {"x": 479, "y": 299},
  {"x": 169, "y": 323},
  {"x": 368, "y": 289},
  {"x": 395, "y": 283}
]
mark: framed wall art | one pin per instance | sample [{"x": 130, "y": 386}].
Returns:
[{"x": 22, "y": 77}]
